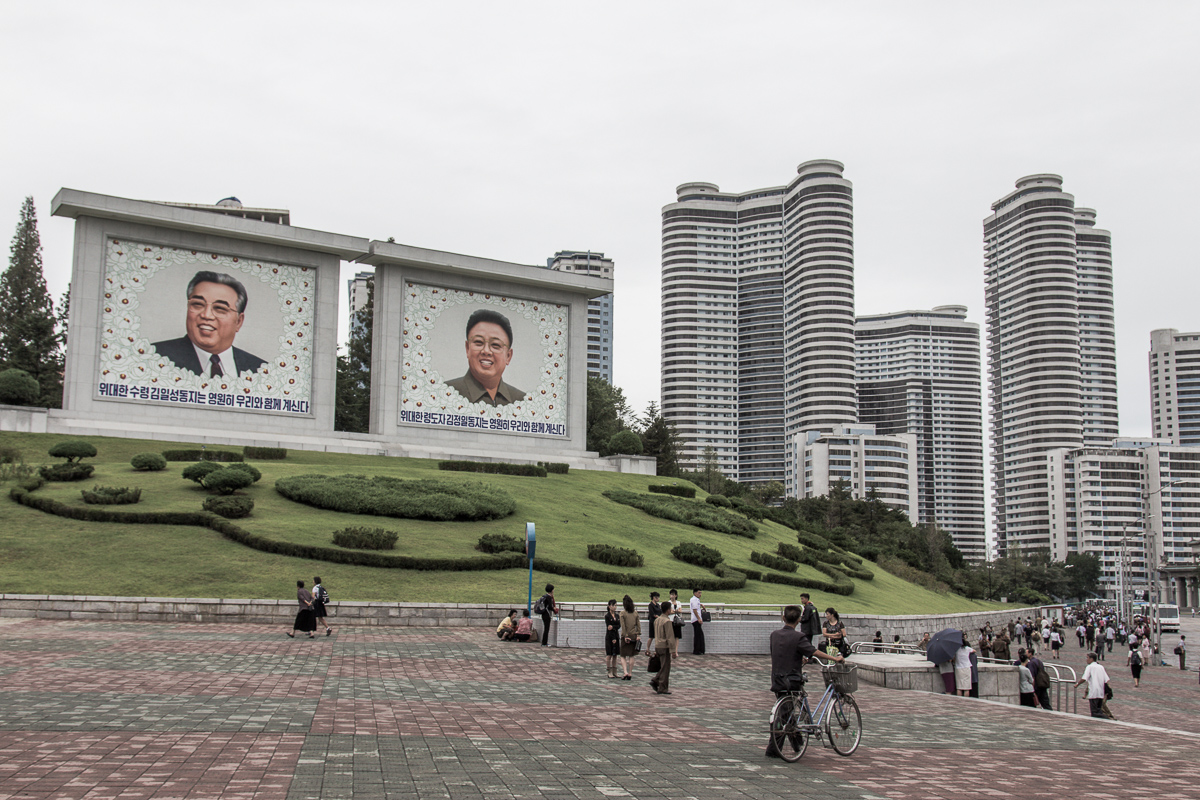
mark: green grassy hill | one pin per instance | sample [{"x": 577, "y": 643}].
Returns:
[{"x": 45, "y": 554}]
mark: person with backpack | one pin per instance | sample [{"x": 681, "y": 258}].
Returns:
[
  {"x": 320, "y": 599},
  {"x": 1041, "y": 680},
  {"x": 1134, "y": 662},
  {"x": 545, "y": 606}
]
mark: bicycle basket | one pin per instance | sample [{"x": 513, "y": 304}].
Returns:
[{"x": 843, "y": 676}]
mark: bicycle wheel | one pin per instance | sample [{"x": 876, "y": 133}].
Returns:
[
  {"x": 843, "y": 724},
  {"x": 787, "y": 735}
]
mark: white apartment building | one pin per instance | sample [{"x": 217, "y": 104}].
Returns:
[
  {"x": 1175, "y": 386},
  {"x": 918, "y": 373},
  {"x": 1051, "y": 361},
  {"x": 758, "y": 318},
  {"x": 1145, "y": 493},
  {"x": 600, "y": 310},
  {"x": 868, "y": 464}
]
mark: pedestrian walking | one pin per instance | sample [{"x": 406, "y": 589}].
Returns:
[
  {"x": 676, "y": 620},
  {"x": 664, "y": 643},
  {"x": 321, "y": 604},
  {"x": 1181, "y": 651},
  {"x": 1134, "y": 662},
  {"x": 1096, "y": 678},
  {"x": 305, "y": 620},
  {"x": 698, "y": 612}
]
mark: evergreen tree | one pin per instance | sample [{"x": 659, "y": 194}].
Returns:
[
  {"x": 607, "y": 414},
  {"x": 28, "y": 340},
  {"x": 660, "y": 441},
  {"x": 352, "y": 409}
]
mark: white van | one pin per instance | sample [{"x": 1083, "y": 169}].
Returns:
[{"x": 1168, "y": 616}]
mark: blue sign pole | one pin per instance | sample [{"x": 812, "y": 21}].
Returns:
[{"x": 530, "y": 546}]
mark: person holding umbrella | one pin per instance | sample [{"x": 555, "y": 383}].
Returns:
[{"x": 942, "y": 648}]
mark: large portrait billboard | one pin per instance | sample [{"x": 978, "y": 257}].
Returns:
[
  {"x": 190, "y": 328},
  {"x": 484, "y": 361}
]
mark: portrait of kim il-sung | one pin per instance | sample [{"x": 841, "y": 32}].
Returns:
[
  {"x": 489, "y": 351},
  {"x": 216, "y": 310}
]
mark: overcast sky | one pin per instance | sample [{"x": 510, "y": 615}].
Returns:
[{"x": 511, "y": 130}]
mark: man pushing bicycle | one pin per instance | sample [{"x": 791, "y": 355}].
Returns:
[{"x": 790, "y": 649}]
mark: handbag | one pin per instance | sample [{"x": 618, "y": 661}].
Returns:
[
  {"x": 1108, "y": 692},
  {"x": 637, "y": 646},
  {"x": 654, "y": 664},
  {"x": 705, "y": 616}
]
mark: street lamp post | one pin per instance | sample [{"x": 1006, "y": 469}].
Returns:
[
  {"x": 1123, "y": 610},
  {"x": 1152, "y": 563}
]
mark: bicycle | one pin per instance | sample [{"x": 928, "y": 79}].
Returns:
[{"x": 793, "y": 721}]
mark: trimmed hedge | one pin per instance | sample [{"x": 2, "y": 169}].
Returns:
[
  {"x": 366, "y": 538},
  {"x": 229, "y": 506},
  {"x": 201, "y": 455},
  {"x": 73, "y": 450},
  {"x": 392, "y": 497},
  {"x": 555, "y": 468},
  {"x": 264, "y": 453},
  {"x": 718, "y": 500},
  {"x": 670, "y": 488},
  {"x": 698, "y": 554},
  {"x": 226, "y": 480},
  {"x": 148, "y": 462},
  {"x": 617, "y": 556},
  {"x": 251, "y": 470},
  {"x": 359, "y": 557},
  {"x": 196, "y": 472},
  {"x": 849, "y": 563},
  {"x": 111, "y": 496},
  {"x": 844, "y": 587},
  {"x": 752, "y": 510},
  {"x": 773, "y": 562},
  {"x": 494, "y": 468},
  {"x": 70, "y": 471},
  {"x": 500, "y": 543},
  {"x": 753, "y": 574},
  {"x": 701, "y": 515}
]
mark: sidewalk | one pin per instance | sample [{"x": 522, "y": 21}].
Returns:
[{"x": 142, "y": 710}]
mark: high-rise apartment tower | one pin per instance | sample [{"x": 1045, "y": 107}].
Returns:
[
  {"x": 1175, "y": 386},
  {"x": 600, "y": 310},
  {"x": 919, "y": 373},
  {"x": 758, "y": 318},
  {"x": 1051, "y": 357}
]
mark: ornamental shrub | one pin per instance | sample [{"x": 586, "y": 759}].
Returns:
[
  {"x": 226, "y": 480},
  {"x": 66, "y": 472},
  {"x": 748, "y": 508},
  {"x": 500, "y": 543},
  {"x": 264, "y": 453},
  {"x": 617, "y": 556},
  {"x": 392, "y": 497},
  {"x": 494, "y": 468},
  {"x": 18, "y": 388},
  {"x": 148, "y": 462},
  {"x": 366, "y": 538},
  {"x": 697, "y": 554},
  {"x": 251, "y": 470},
  {"x": 625, "y": 443},
  {"x": 678, "y": 491},
  {"x": 773, "y": 562},
  {"x": 111, "y": 496},
  {"x": 700, "y": 515},
  {"x": 554, "y": 467},
  {"x": 73, "y": 450},
  {"x": 229, "y": 506},
  {"x": 201, "y": 455},
  {"x": 197, "y": 471},
  {"x": 718, "y": 500}
]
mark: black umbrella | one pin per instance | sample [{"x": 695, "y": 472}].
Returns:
[{"x": 944, "y": 644}]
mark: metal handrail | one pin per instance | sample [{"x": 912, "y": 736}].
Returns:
[{"x": 885, "y": 647}]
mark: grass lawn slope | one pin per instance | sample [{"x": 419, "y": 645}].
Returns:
[{"x": 45, "y": 554}]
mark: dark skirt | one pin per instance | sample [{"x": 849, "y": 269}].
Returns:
[
  {"x": 612, "y": 646},
  {"x": 305, "y": 621},
  {"x": 629, "y": 649},
  {"x": 318, "y": 609}
]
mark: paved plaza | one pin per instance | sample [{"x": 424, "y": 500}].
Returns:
[{"x": 144, "y": 710}]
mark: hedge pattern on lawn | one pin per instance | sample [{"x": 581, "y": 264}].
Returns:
[
  {"x": 359, "y": 557},
  {"x": 701, "y": 515},
  {"x": 201, "y": 455},
  {"x": 229, "y": 506},
  {"x": 361, "y": 538},
  {"x": 494, "y": 468},
  {"x": 111, "y": 496},
  {"x": 670, "y": 488},
  {"x": 617, "y": 556},
  {"x": 838, "y": 583},
  {"x": 264, "y": 453},
  {"x": 719, "y": 500},
  {"x": 773, "y": 562},
  {"x": 500, "y": 543},
  {"x": 555, "y": 468},
  {"x": 697, "y": 554},
  {"x": 381, "y": 496},
  {"x": 196, "y": 472},
  {"x": 227, "y": 480},
  {"x": 839, "y": 559}
]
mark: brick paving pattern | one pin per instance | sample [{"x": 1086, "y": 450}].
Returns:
[{"x": 105, "y": 710}]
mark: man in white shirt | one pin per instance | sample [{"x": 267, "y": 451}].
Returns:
[
  {"x": 1095, "y": 677},
  {"x": 697, "y": 624}
]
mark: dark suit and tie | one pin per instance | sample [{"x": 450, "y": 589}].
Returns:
[{"x": 182, "y": 354}]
